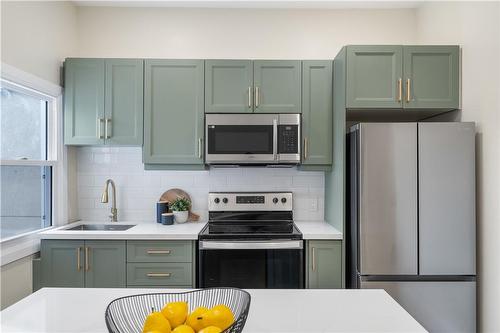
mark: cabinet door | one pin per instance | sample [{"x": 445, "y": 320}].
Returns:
[
  {"x": 324, "y": 264},
  {"x": 173, "y": 112},
  {"x": 124, "y": 102},
  {"x": 374, "y": 76},
  {"x": 277, "y": 86},
  {"x": 84, "y": 101},
  {"x": 431, "y": 77},
  {"x": 105, "y": 264},
  {"x": 228, "y": 86},
  {"x": 317, "y": 112},
  {"x": 62, "y": 263}
]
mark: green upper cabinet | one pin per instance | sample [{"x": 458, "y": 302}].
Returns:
[
  {"x": 374, "y": 76},
  {"x": 103, "y": 101},
  {"x": 173, "y": 112},
  {"x": 277, "y": 86},
  {"x": 228, "y": 86},
  {"x": 124, "y": 102},
  {"x": 324, "y": 261},
  {"x": 84, "y": 101},
  {"x": 431, "y": 76},
  {"x": 105, "y": 264},
  {"x": 317, "y": 112}
]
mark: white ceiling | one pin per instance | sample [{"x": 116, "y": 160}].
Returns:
[{"x": 304, "y": 4}]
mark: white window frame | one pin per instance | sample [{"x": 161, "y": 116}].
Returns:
[{"x": 22, "y": 245}]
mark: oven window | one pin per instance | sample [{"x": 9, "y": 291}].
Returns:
[
  {"x": 254, "y": 269},
  {"x": 240, "y": 139}
]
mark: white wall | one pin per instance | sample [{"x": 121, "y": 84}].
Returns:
[
  {"x": 476, "y": 27},
  {"x": 37, "y": 36},
  {"x": 236, "y": 33},
  {"x": 16, "y": 281}
]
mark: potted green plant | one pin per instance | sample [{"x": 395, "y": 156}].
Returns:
[{"x": 180, "y": 208}]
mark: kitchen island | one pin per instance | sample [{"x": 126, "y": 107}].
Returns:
[{"x": 332, "y": 310}]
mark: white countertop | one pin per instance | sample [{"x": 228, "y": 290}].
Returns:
[
  {"x": 143, "y": 230},
  {"x": 271, "y": 310},
  {"x": 318, "y": 230},
  {"x": 185, "y": 231}
]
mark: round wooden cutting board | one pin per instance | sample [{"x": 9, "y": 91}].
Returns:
[{"x": 176, "y": 193}]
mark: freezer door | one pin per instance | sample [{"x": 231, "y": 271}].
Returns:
[
  {"x": 438, "y": 306},
  {"x": 387, "y": 229},
  {"x": 446, "y": 160}
]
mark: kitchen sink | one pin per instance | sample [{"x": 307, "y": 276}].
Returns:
[{"x": 101, "y": 227}]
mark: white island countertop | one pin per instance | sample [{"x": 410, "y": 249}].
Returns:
[
  {"x": 318, "y": 230},
  {"x": 298, "y": 310},
  {"x": 142, "y": 230}
]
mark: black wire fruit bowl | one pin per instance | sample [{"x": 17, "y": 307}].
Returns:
[{"x": 127, "y": 314}]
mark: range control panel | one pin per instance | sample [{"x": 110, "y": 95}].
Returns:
[{"x": 250, "y": 201}]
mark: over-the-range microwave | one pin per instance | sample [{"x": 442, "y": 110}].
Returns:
[{"x": 252, "y": 139}]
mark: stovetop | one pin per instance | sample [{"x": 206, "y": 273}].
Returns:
[{"x": 250, "y": 216}]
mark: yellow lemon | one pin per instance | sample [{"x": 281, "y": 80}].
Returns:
[
  {"x": 219, "y": 316},
  {"x": 193, "y": 321},
  {"x": 211, "y": 329},
  {"x": 156, "y": 322},
  {"x": 183, "y": 329},
  {"x": 176, "y": 313}
]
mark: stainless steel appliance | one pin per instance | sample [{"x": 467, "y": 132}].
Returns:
[
  {"x": 250, "y": 241},
  {"x": 252, "y": 138},
  {"x": 412, "y": 218}
]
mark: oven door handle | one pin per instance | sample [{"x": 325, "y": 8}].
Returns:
[{"x": 250, "y": 245}]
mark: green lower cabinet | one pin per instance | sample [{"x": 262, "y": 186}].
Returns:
[
  {"x": 62, "y": 263},
  {"x": 324, "y": 264},
  {"x": 431, "y": 76},
  {"x": 159, "y": 274},
  {"x": 317, "y": 112},
  {"x": 78, "y": 263},
  {"x": 106, "y": 264},
  {"x": 173, "y": 112}
]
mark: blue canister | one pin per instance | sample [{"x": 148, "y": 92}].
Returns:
[
  {"x": 161, "y": 207},
  {"x": 167, "y": 218}
]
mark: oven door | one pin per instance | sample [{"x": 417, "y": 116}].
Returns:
[
  {"x": 251, "y": 265},
  {"x": 241, "y": 138}
]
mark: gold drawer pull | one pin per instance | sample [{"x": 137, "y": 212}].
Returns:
[
  {"x": 158, "y": 274},
  {"x": 158, "y": 251}
]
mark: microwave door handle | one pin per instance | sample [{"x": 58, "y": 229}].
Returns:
[{"x": 275, "y": 139}]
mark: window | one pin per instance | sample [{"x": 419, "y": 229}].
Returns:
[{"x": 28, "y": 160}]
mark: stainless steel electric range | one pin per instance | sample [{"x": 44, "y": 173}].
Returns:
[{"x": 250, "y": 241}]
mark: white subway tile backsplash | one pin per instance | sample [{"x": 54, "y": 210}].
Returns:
[{"x": 138, "y": 189}]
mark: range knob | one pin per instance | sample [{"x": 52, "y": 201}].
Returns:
[
  {"x": 224, "y": 200},
  {"x": 283, "y": 200},
  {"x": 216, "y": 200},
  {"x": 275, "y": 200}
]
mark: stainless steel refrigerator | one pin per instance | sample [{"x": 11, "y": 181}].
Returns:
[{"x": 411, "y": 226}]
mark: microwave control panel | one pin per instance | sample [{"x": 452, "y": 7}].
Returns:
[{"x": 288, "y": 139}]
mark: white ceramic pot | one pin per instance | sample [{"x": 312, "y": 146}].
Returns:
[{"x": 181, "y": 217}]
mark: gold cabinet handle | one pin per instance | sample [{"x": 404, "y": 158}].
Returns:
[
  {"x": 99, "y": 128},
  {"x": 249, "y": 97},
  {"x": 200, "y": 147},
  {"x": 78, "y": 263},
  {"x": 313, "y": 250},
  {"x": 408, "y": 91},
  {"x": 257, "y": 97},
  {"x": 158, "y": 274},
  {"x": 107, "y": 129},
  {"x": 158, "y": 251},
  {"x": 400, "y": 89},
  {"x": 87, "y": 265},
  {"x": 305, "y": 148}
]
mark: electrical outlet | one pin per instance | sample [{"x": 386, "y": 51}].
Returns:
[{"x": 313, "y": 205}]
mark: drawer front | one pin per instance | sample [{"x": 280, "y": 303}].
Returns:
[
  {"x": 159, "y": 251},
  {"x": 159, "y": 274}
]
